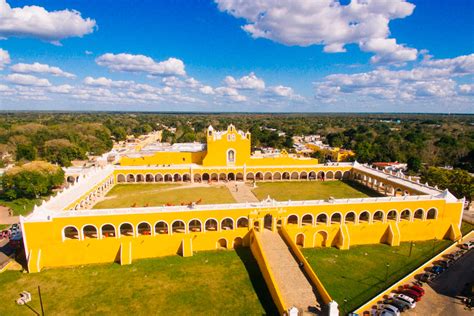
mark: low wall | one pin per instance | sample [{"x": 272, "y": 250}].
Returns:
[
  {"x": 367, "y": 306},
  {"x": 262, "y": 261},
  {"x": 323, "y": 293}
]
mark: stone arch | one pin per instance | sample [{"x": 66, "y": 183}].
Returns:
[
  {"x": 186, "y": 177},
  {"x": 214, "y": 177},
  {"x": 312, "y": 175},
  {"x": 398, "y": 192},
  {"x": 307, "y": 219},
  {"x": 107, "y": 230},
  {"x": 292, "y": 219},
  {"x": 70, "y": 232},
  {"x": 338, "y": 175},
  {"x": 227, "y": 224},
  {"x": 350, "y": 217},
  {"x": 277, "y": 176},
  {"x": 294, "y": 175},
  {"x": 238, "y": 242},
  {"x": 364, "y": 217},
  {"x": 161, "y": 227},
  {"x": 268, "y": 221},
  {"x": 120, "y": 178},
  {"x": 320, "y": 238},
  {"x": 378, "y": 216},
  {"x": 392, "y": 215},
  {"x": 231, "y": 176},
  {"x": 140, "y": 178},
  {"x": 259, "y": 176},
  {"x": 250, "y": 176},
  {"x": 336, "y": 218},
  {"x": 239, "y": 176},
  {"x": 322, "y": 219},
  {"x": 158, "y": 177},
  {"x": 144, "y": 228},
  {"x": 346, "y": 175},
  {"x": 242, "y": 222},
  {"x": 321, "y": 175},
  {"x": 205, "y": 177},
  {"x": 405, "y": 215},
  {"x": 177, "y": 177},
  {"x": 299, "y": 239},
  {"x": 197, "y": 177},
  {"x": 168, "y": 178},
  {"x": 432, "y": 213},
  {"x": 222, "y": 243},
  {"x": 178, "y": 227},
  {"x": 256, "y": 225},
  {"x": 303, "y": 175},
  {"x": 149, "y": 177},
  {"x": 211, "y": 224},
  {"x": 329, "y": 175},
  {"x": 126, "y": 229},
  {"x": 268, "y": 176},
  {"x": 130, "y": 178},
  {"x": 285, "y": 176},
  {"x": 222, "y": 177},
  {"x": 90, "y": 232},
  {"x": 419, "y": 214},
  {"x": 195, "y": 226}
]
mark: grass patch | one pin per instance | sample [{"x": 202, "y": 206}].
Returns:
[
  {"x": 209, "y": 283},
  {"x": 4, "y": 226},
  {"x": 20, "y": 206},
  {"x": 311, "y": 190},
  {"x": 127, "y": 195},
  {"x": 358, "y": 274},
  {"x": 466, "y": 227}
]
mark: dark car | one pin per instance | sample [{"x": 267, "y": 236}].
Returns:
[
  {"x": 437, "y": 269},
  {"x": 426, "y": 277},
  {"x": 399, "y": 304},
  {"x": 411, "y": 293}
]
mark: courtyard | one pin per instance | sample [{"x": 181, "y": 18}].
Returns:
[
  {"x": 354, "y": 276},
  {"x": 311, "y": 190},
  {"x": 208, "y": 283}
]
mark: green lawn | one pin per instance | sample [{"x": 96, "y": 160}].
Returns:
[
  {"x": 20, "y": 206},
  {"x": 358, "y": 274},
  {"x": 126, "y": 195},
  {"x": 311, "y": 190},
  {"x": 209, "y": 283},
  {"x": 466, "y": 227}
]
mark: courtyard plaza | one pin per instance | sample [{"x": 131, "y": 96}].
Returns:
[{"x": 154, "y": 194}]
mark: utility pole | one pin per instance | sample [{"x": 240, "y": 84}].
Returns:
[{"x": 41, "y": 301}]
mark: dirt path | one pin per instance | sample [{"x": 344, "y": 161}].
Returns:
[
  {"x": 295, "y": 287},
  {"x": 5, "y": 218},
  {"x": 241, "y": 192}
]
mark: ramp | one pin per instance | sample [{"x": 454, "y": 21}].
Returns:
[{"x": 295, "y": 289}]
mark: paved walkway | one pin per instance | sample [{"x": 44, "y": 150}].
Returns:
[
  {"x": 241, "y": 192},
  {"x": 295, "y": 287},
  {"x": 5, "y": 218}
]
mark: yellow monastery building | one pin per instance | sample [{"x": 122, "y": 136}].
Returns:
[{"x": 65, "y": 231}]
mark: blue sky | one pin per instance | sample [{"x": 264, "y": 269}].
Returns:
[{"x": 228, "y": 55}]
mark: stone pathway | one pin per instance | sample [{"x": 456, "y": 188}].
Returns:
[
  {"x": 5, "y": 218},
  {"x": 295, "y": 287},
  {"x": 241, "y": 192}
]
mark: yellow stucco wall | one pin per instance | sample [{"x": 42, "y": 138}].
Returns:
[
  {"x": 164, "y": 158},
  {"x": 46, "y": 247}
]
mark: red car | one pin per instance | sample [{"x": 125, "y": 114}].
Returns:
[
  {"x": 413, "y": 294},
  {"x": 418, "y": 289}
]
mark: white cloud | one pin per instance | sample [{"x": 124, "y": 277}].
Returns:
[
  {"x": 141, "y": 63},
  {"x": 4, "y": 58},
  {"x": 27, "y": 80},
  {"x": 326, "y": 22},
  {"x": 62, "y": 89},
  {"x": 433, "y": 78},
  {"x": 34, "y": 21},
  {"x": 250, "y": 82},
  {"x": 40, "y": 69},
  {"x": 206, "y": 90},
  {"x": 283, "y": 92},
  {"x": 230, "y": 93},
  {"x": 466, "y": 89},
  {"x": 106, "y": 82}
]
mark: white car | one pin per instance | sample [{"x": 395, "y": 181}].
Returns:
[
  {"x": 406, "y": 299},
  {"x": 390, "y": 310},
  {"x": 468, "y": 245}
]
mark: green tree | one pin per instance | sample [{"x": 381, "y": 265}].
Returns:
[
  {"x": 414, "y": 163},
  {"x": 26, "y": 152}
]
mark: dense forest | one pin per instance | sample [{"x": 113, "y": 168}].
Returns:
[{"x": 419, "y": 139}]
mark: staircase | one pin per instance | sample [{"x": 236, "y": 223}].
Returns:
[{"x": 295, "y": 288}]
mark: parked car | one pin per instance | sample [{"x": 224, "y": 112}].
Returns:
[
  {"x": 400, "y": 305},
  {"x": 468, "y": 245},
  {"x": 426, "y": 277},
  {"x": 418, "y": 289},
  {"x": 402, "y": 297},
  {"x": 390, "y": 310},
  {"x": 437, "y": 269},
  {"x": 445, "y": 263},
  {"x": 411, "y": 293}
]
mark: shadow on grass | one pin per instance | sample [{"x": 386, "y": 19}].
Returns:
[
  {"x": 258, "y": 282},
  {"x": 362, "y": 188}
]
